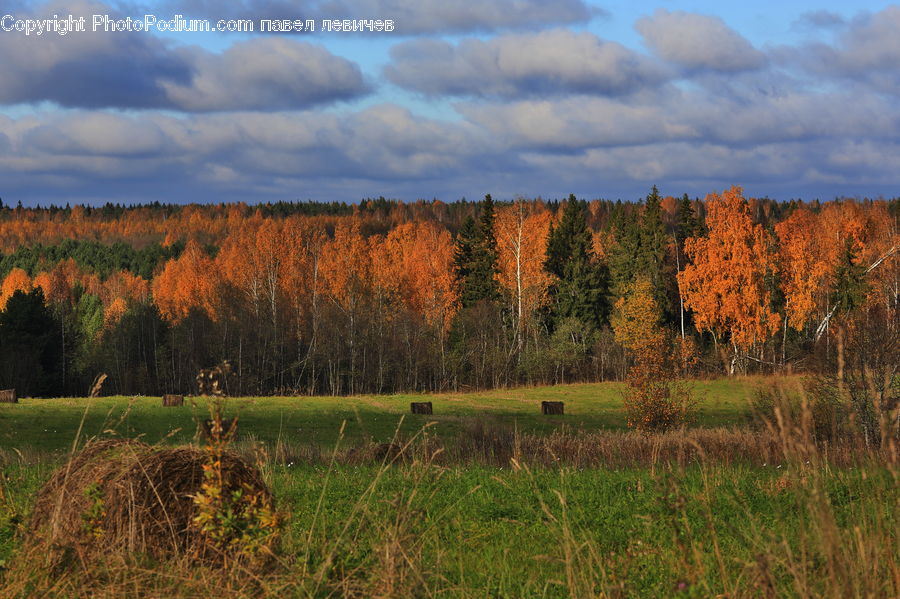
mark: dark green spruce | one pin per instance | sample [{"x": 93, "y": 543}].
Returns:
[
  {"x": 582, "y": 284},
  {"x": 476, "y": 258}
]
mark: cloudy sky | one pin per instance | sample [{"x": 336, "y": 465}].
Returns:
[{"x": 512, "y": 97}]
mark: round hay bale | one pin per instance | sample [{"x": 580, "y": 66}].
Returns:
[{"x": 125, "y": 496}]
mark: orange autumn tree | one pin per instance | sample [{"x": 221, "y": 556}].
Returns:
[
  {"x": 806, "y": 263},
  {"x": 16, "y": 280},
  {"x": 346, "y": 265},
  {"x": 414, "y": 263},
  {"x": 725, "y": 283},
  {"x": 346, "y": 268},
  {"x": 114, "y": 311},
  {"x": 875, "y": 239},
  {"x": 59, "y": 282},
  {"x": 120, "y": 290},
  {"x": 521, "y": 231},
  {"x": 190, "y": 282},
  {"x": 237, "y": 262}
]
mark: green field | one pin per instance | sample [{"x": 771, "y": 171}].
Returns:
[
  {"x": 51, "y": 424},
  {"x": 796, "y": 528}
]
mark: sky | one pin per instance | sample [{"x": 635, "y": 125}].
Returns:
[{"x": 517, "y": 98}]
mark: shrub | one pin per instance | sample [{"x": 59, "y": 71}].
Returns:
[{"x": 654, "y": 400}]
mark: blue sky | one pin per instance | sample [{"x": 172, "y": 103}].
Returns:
[{"x": 509, "y": 97}]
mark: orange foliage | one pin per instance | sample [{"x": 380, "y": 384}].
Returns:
[
  {"x": 126, "y": 286},
  {"x": 16, "y": 280},
  {"x": 113, "y": 313},
  {"x": 521, "y": 231},
  {"x": 252, "y": 261},
  {"x": 805, "y": 265},
  {"x": 346, "y": 265},
  {"x": 191, "y": 281},
  {"x": 281, "y": 266},
  {"x": 414, "y": 263},
  {"x": 725, "y": 285},
  {"x": 874, "y": 234},
  {"x": 300, "y": 267},
  {"x": 59, "y": 282}
]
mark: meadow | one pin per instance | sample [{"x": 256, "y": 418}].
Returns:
[
  {"x": 50, "y": 425},
  {"x": 488, "y": 498}
]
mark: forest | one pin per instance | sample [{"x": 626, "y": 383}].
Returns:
[{"x": 385, "y": 296}]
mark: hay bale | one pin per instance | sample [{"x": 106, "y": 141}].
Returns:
[
  {"x": 421, "y": 407},
  {"x": 170, "y": 400},
  {"x": 552, "y": 408},
  {"x": 127, "y": 497},
  {"x": 8, "y": 396}
]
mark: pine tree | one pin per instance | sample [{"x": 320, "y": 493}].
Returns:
[
  {"x": 849, "y": 289},
  {"x": 30, "y": 357},
  {"x": 623, "y": 255},
  {"x": 466, "y": 240},
  {"x": 641, "y": 251},
  {"x": 582, "y": 282},
  {"x": 475, "y": 258},
  {"x": 651, "y": 258},
  {"x": 686, "y": 222}
]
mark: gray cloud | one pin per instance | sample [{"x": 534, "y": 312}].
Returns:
[
  {"x": 86, "y": 70},
  {"x": 545, "y": 113},
  {"x": 210, "y": 154},
  {"x": 594, "y": 145},
  {"x": 579, "y": 123},
  {"x": 867, "y": 51},
  {"x": 698, "y": 42},
  {"x": 514, "y": 65},
  {"x": 135, "y": 70},
  {"x": 411, "y": 17},
  {"x": 265, "y": 74}
]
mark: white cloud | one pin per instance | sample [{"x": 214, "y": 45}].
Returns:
[
  {"x": 698, "y": 41},
  {"x": 555, "y": 62}
]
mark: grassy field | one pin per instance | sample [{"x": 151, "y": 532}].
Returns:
[
  {"x": 420, "y": 531},
  {"x": 51, "y": 424},
  {"x": 727, "y": 524}
]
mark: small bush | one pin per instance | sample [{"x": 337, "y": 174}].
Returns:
[{"x": 656, "y": 402}]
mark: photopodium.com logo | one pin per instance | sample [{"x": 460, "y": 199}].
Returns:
[{"x": 64, "y": 25}]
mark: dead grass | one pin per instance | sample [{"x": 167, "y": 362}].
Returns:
[
  {"x": 490, "y": 443},
  {"x": 126, "y": 498}
]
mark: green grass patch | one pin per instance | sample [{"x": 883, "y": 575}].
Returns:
[
  {"x": 51, "y": 424},
  {"x": 416, "y": 531}
]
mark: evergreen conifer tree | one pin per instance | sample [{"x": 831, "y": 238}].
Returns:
[
  {"x": 476, "y": 258},
  {"x": 651, "y": 258},
  {"x": 582, "y": 282},
  {"x": 849, "y": 281},
  {"x": 623, "y": 255},
  {"x": 640, "y": 249},
  {"x": 686, "y": 222}
]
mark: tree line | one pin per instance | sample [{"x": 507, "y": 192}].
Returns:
[{"x": 384, "y": 297}]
